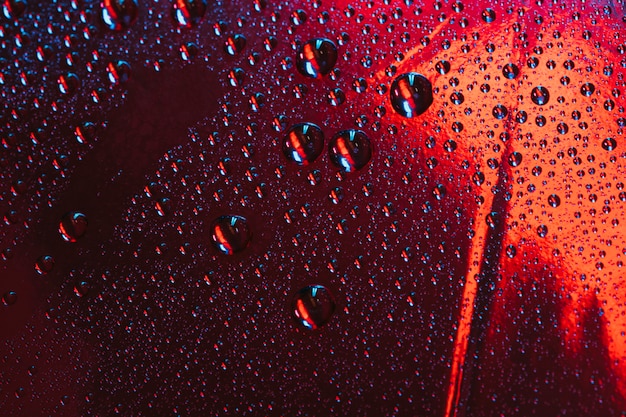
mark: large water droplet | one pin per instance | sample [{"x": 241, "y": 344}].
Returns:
[
  {"x": 73, "y": 226},
  {"x": 188, "y": 13},
  {"x": 303, "y": 143},
  {"x": 540, "y": 95},
  {"x": 231, "y": 234},
  {"x": 313, "y": 306},
  {"x": 350, "y": 150},
  {"x": 411, "y": 94},
  {"x": 316, "y": 58},
  {"x": 119, "y": 14}
]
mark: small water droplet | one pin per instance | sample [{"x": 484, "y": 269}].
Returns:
[
  {"x": 73, "y": 226},
  {"x": 609, "y": 144},
  {"x": 9, "y": 298},
  {"x": 188, "y": 13},
  {"x": 44, "y": 264},
  {"x": 442, "y": 67},
  {"x": 230, "y": 234},
  {"x": 411, "y": 94},
  {"x": 510, "y": 71},
  {"x": 118, "y": 72},
  {"x": 81, "y": 288},
  {"x": 119, "y": 14},
  {"x": 540, "y": 95},
  {"x": 500, "y": 112},
  {"x": 488, "y": 15},
  {"x": 303, "y": 143},
  {"x": 316, "y": 58},
  {"x": 235, "y": 44},
  {"x": 587, "y": 89},
  {"x": 12, "y": 9},
  {"x": 313, "y": 306},
  {"x": 350, "y": 150},
  {"x": 554, "y": 200},
  {"x": 68, "y": 83}
]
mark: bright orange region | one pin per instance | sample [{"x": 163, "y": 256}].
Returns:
[{"x": 571, "y": 249}]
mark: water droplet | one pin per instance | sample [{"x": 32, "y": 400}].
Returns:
[
  {"x": 9, "y": 298},
  {"x": 316, "y": 58},
  {"x": 118, "y": 72},
  {"x": 540, "y": 95},
  {"x": 542, "y": 231},
  {"x": 68, "y": 83},
  {"x": 230, "y": 234},
  {"x": 350, "y": 150},
  {"x": 500, "y": 112},
  {"x": 313, "y": 306},
  {"x": 235, "y": 44},
  {"x": 44, "y": 264},
  {"x": 12, "y": 9},
  {"x": 488, "y": 15},
  {"x": 303, "y": 143},
  {"x": 609, "y": 144},
  {"x": 188, "y": 13},
  {"x": 411, "y": 94},
  {"x": 554, "y": 200},
  {"x": 81, "y": 288},
  {"x": 515, "y": 158},
  {"x": 587, "y": 89},
  {"x": 510, "y": 71},
  {"x": 73, "y": 226},
  {"x": 442, "y": 67},
  {"x": 119, "y": 14}
]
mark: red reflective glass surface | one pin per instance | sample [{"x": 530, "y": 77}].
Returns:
[{"x": 318, "y": 208}]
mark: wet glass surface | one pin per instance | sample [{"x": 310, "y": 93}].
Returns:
[{"x": 312, "y": 208}]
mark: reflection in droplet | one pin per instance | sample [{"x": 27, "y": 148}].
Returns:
[
  {"x": 411, "y": 94},
  {"x": 303, "y": 143},
  {"x": 188, "y": 13},
  {"x": 316, "y": 58},
  {"x": 73, "y": 226},
  {"x": 350, "y": 150},
  {"x": 119, "y": 14},
  {"x": 313, "y": 306},
  {"x": 540, "y": 95},
  {"x": 231, "y": 234}
]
